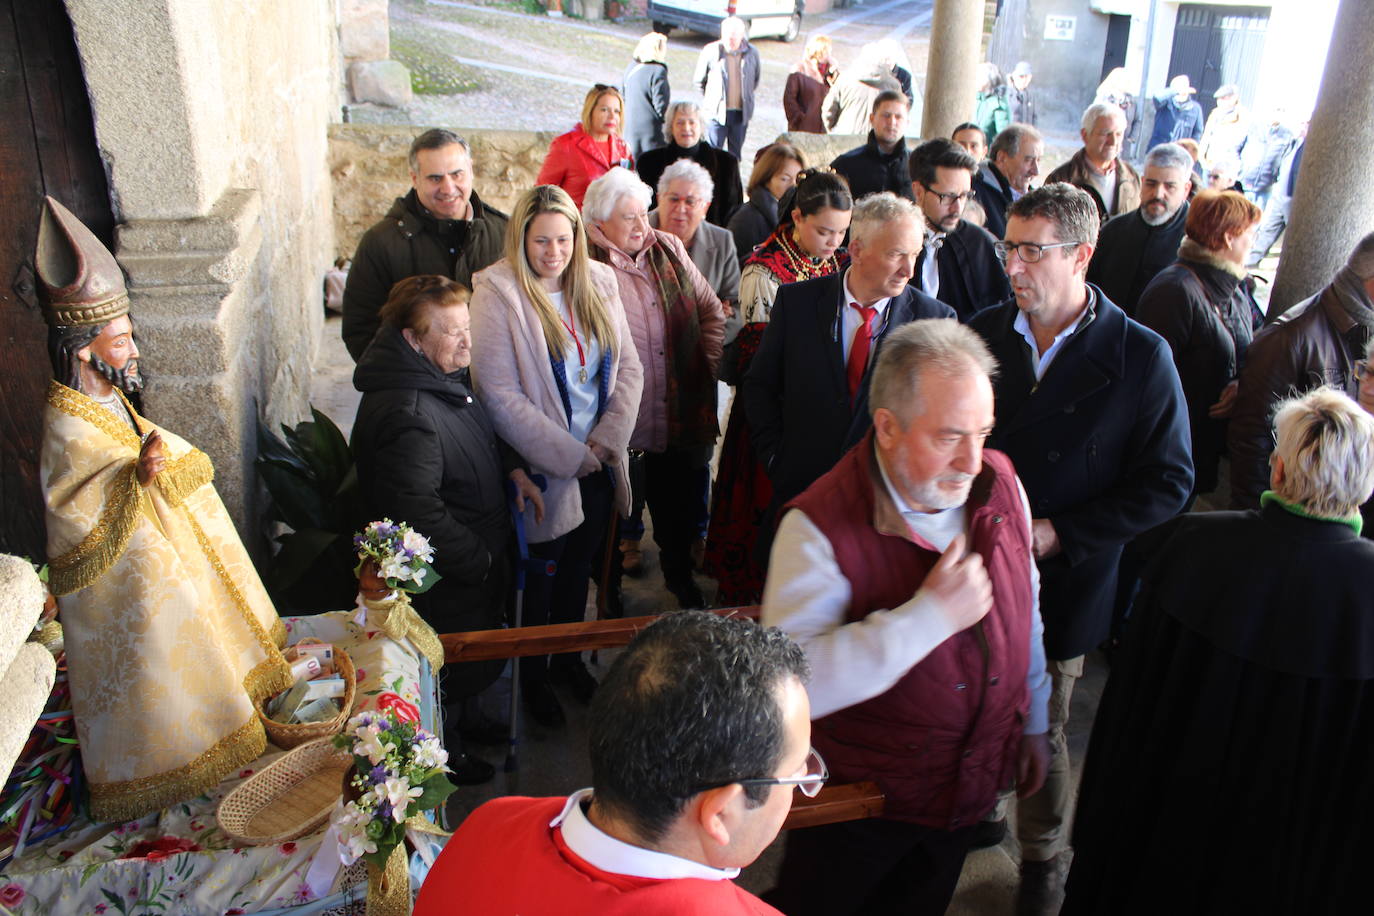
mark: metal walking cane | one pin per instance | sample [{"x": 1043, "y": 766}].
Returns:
[{"x": 523, "y": 565}]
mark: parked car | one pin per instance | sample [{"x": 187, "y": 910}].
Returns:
[{"x": 765, "y": 18}]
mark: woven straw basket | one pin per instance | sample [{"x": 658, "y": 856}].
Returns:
[
  {"x": 287, "y": 736},
  {"x": 290, "y": 797}
]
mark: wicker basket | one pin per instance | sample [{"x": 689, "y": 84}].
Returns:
[
  {"x": 287, "y": 736},
  {"x": 290, "y": 797}
]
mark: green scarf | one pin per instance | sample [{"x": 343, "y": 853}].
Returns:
[
  {"x": 1269, "y": 497},
  {"x": 691, "y": 396}
]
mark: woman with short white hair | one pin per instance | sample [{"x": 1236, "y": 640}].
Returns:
[
  {"x": 685, "y": 130},
  {"x": 678, "y": 328}
]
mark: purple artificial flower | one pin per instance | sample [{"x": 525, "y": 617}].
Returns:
[
  {"x": 378, "y": 774},
  {"x": 384, "y": 810}
]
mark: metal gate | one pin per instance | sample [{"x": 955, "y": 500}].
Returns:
[{"x": 1215, "y": 45}]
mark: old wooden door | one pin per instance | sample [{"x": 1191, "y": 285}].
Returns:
[{"x": 47, "y": 146}]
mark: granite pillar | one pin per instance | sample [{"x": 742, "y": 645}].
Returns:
[{"x": 956, "y": 34}]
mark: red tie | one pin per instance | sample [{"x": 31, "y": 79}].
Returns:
[{"x": 858, "y": 351}]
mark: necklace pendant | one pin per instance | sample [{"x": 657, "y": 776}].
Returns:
[{"x": 582, "y": 376}]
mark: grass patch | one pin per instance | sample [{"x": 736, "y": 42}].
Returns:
[{"x": 432, "y": 70}]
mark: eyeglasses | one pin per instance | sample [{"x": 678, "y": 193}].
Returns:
[
  {"x": 1363, "y": 371},
  {"x": 691, "y": 202},
  {"x": 948, "y": 198},
  {"x": 1029, "y": 252},
  {"x": 815, "y": 775}
]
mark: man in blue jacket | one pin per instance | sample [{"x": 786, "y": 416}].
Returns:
[{"x": 1091, "y": 411}]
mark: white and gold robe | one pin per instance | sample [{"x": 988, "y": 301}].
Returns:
[{"x": 170, "y": 634}]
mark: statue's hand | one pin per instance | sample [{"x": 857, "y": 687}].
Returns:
[
  {"x": 151, "y": 459},
  {"x": 371, "y": 585}
]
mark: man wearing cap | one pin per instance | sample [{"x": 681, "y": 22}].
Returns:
[
  {"x": 170, "y": 634},
  {"x": 1228, "y": 128},
  {"x": 1019, "y": 95},
  {"x": 1177, "y": 113}
]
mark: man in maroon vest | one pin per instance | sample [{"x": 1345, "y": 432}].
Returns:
[{"x": 906, "y": 575}]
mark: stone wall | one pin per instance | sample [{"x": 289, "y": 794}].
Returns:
[
  {"x": 217, "y": 164},
  {"x": 368, "y": 165}
]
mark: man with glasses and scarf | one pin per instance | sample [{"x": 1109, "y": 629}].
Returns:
[
  {"x": 906, "y": 574},
  {"x": 1091, "y": 411},
  {"x": 957, "y": 264},
  {"x": 698, "y": 735}
]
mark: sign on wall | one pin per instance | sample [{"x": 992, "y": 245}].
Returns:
[{"x": 1060, "y": 28}]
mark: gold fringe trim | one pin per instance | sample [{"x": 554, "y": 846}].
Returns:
[
  {"x": 273, "y": 674},
  {"x": 396, "y": 618},
  {"x": 279, "y": 632},
  {"x": 98, "y": 550},
  {"x": 180, "y": 478},
  {"x": 74, "y": 403},
  {"x": 114, "y": 802},
  {"x": 388, "y": 890},
  {"x": 50, "y": 636}
]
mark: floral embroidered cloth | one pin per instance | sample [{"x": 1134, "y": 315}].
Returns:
[{"x": 178, "y": 861}]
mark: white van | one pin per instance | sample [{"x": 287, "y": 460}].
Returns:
[{"x": 765, "y": 18}]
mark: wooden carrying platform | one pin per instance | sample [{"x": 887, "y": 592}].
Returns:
[{"x": 834, "y": 803}]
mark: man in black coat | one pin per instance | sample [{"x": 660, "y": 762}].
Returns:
[
  {"x": 806, "y": 392},
  {"x": 1241, "y": 705},
  {"x": 441, "y": 227},
  {"x": 880, "y": 164},
  {"x": 1133, "y": 247},
  {"x": 1091, "y": 411},
  {"x": 958, "y": 264},
  {"x": 1013, "y": 161},
  {"x": 427, "y": 455}
]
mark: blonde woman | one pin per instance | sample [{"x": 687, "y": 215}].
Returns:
[
  {"x": 592, "y": 148},
  {"x": 646, "y": 94},
  {"x": 555, "y": 367}
]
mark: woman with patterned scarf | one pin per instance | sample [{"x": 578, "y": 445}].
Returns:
[
  {"x": 806, "y": 244},
  {"x": 678, "y": 327}
]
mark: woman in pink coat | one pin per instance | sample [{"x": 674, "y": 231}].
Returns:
[
  {"x": 558, "y": 373},
  {"x": 592, "y": 148}
]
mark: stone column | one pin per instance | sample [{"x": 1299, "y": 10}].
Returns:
[
  {"x": 956, "y": 33},
  {"x": 1333, "y": 204}
]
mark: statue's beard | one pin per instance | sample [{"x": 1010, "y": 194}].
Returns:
[{"x": 128, "y": 379}]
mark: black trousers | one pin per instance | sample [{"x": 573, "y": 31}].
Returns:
[
  {"x": 562, "y": 597},
  {"x": 671, "y": 488},
  {"x": 875, "y": 866}
]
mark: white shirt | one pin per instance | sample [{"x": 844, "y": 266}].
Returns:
[
  {"x": 850, "y": 319},
  {"x": 603, "y": 851},
  {"x": 807, "y": 596},
  {"x": 583, "y": 396},
  {"x": 1041, "y": 361}
]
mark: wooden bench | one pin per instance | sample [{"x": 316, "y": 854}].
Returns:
[{"x": 833, "y": 804}]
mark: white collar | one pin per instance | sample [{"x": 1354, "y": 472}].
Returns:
[
  {"x": 916, "y": 519},
  {"x": 880, "y": 305},
  {"x": 603, "y": 851}
]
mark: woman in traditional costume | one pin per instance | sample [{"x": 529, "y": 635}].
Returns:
[{"x": 806, "y": 244}]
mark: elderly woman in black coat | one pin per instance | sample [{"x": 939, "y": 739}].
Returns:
[
  {"x": 1204, "y": 307},
  {"x": 427, "y": 455},
  {"x": 646, "y": 95}
]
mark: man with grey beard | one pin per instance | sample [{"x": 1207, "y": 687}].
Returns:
[{"x": 1135, "y": 246}]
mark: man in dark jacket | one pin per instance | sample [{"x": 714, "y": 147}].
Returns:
[
  {"x": 880, "y": 164},
  {"x": 1098, "y": 167},
  {"x": 427, "y": 455},
  {"x": 1316, "y": 342},
  {"x": 1135, "y": 246},
  {"x": 958, "y": 264},
  {"x": 1091, "y": 412},
  {"x": 1013, "y": 161},
  {"x": 441, "y": 227},
  {"x": 1177, "y": 113},
  {"x": 727, "y": 74},
  {"x": 806, "y": 392}
]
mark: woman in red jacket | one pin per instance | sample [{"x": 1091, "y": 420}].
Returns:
[{"x": 592, "y": 148}]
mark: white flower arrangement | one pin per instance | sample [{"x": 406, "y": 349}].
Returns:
[
  {"x": 403, "y": 556},
  {"x": 398, "y": 771}
]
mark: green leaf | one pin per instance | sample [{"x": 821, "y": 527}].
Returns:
[
  {"x": 88, "y": 871},
  {"x": 272, "y": 448},
  {"x": 331, "y": 449},
  {"x": 295, "y": 495},
  {"x": 116, "y": 901},
  {"x": 436, "y": 789},
  {"x": 431, "y": 578}
]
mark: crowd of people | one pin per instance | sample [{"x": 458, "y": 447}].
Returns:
[{"x": 966, "y": 413}]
